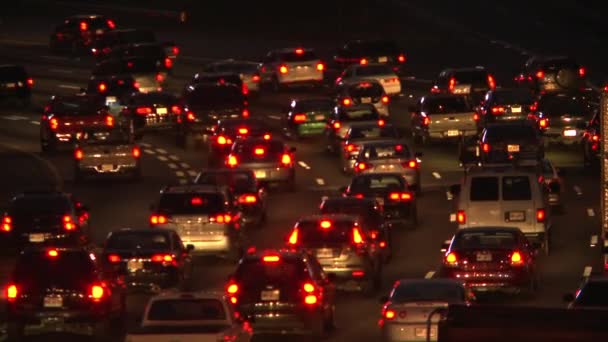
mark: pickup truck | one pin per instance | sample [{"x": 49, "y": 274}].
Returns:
[{"x": 190, "y": 317}]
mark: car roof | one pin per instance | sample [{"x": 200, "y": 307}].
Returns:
[
  {"x": 348, "y": 200},
  {"x": 225, "y": 170},
  {"x": 482, "y": 229},
  {"x": 333, "y": 217},
  {"x": 466, "y": 69},
  {"x": 257, "y": 140},
  {"x": 384, "y": 142},
  {"x": 140, "y": 231},
  {"x": 378, "y": 174},
  {"x": 193, "y": 188},
  {"x": 422, "y": 281},
  {"x": 86, "y": 16},
  {"x": 254, "y": 254},
  {"x": 293, "y": 49},
  {"x": 500, "y": 169},
  {"x": 42, "y": 194}
]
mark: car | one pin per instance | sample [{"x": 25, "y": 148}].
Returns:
[
  {"x": 227, "y": 131},
  {"x": 364, "y": 52},
  {"x": 15, "y": 84},
  {"x": 147, "y": 259},
  {"x": 44, "y": 217},
  {"x": 204, "y": 216},
  {"x": 174, "y": 314},
  {"x": 65, "y": 118},
  {"x": 307, "y": 117},
  {"x": 251, "y": 197},
  {"x": 152, "y": 111},
  {"x": 473, "y": 82},
  {"x": 507, "y": 104},
  {"x": 504, "y": 196},
  {"x": 283, "y": 291},
  {"x": 152, "y": 50},
  {"x": 219, "y": 78},
  {"x": 591, "y": 294},
  {"x": 390, "y": 155},
  {"x": 291, "y": 66},
  {"x": 361, "y": 133},
  {"x": 77, "y": 34},
  {"x": 149, "y": 73},
  {"x": 340, "y": 244},
  {"x": 117, "y": 39},
  {"x": 203, "y": 105},
  {"x": 113, "y": 89},
  {"x": 247, "y": 71},
  {"x": 67, "y": 290},
  {"x": 563, "y": 117},
  {"x": 107, "y": 153},
  {"x": 370, "y": 91},
  {"x": 552, "y": 74},
  {"x": 272, "y": 160},
  {"x": 591, "y": 141},
  {"x": 342, "y": 118},
  {"x": 381, "y": 73},
  {"x": 443, "y": 117},
  {"x": 414, "y": 303},
  {"x": 508, "y": 260},
  {"x": 369, "y": 212},
  {"x": 391, "y": 191}
]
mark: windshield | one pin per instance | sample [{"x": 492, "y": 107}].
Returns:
[
  {"x": 426, "y": 291},
  {"x": 69, "y": 269},
  {"x": 243, "y": 127},
  {"x": 241, "y": 180},
  {"x": 143, "y": 99},
  {"x": 258, "y": 273},
  {"x": 183, "y": 309},
  {"x": 510, "y": 133},
  {"x": 377, "y": 182},
  {"x": 112, "y": 137},
  {"x": 366, "y": 89},
  {"x": 364, "y": 210},
  {"x": 374, "y": 70},
  {"x": 445, "y": 105},
  {"x": 471, "y": 77},
  {"x": 305, "y": 56},
  {"x": 485, "y": 240},
  {"x": 138, "y": 240},
  {"x": 513, "y": 97},
  {"x": 191, "y": 203},
  {"x": 516, "y": 188},
  {"x": 391, "y": 151},
  {"x": 76, "y": 106}
]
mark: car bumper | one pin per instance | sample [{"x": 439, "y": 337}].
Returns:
[
  {"x": 297, "y": 322},
  {"x": 397, "y": 213},
  {"x": 451, "y": 134},
  {"x": 313, "y": 128},
  {"x": 45, "y": 238},
  {"x": 565, "y": 136},
  {"x": 272, "y": 174},
  {"x": 108, "y": 169},
  {"x": 406, "y": 332},
  {"x": 150, "y": 280},
  {"x": 345, "y": 279},
  {"x": 219, "y": 245},
  {"x": 480, "y": 280},
  {"x": 312, "y": 78},
  {"x": 56, "y": 317}
]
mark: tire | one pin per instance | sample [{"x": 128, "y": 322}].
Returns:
[{"x": 15, "y": 331}]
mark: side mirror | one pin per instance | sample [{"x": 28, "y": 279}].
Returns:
[
  {"x": 292, "y": 149},
  {"x": 383, "y": 299},
  {"x": 331, "y": 277},
  {"x": 189, "y": 247},
  {"x": 445, "y": 245},
  {"x": 568, "y": 298}
]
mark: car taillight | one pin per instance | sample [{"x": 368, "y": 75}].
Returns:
[
  {"x": 283, "y": 69},
  {"x": 485, "y": 147},
  {"x": 385, "y": 99},
  {"x": 310, "y": 297},
  {"x": 114, "y": 258},
  {"x": 293, "y": 237},
  {"x": 401, "y": 58},
  {"x": 248, "y": 199},
  {"x": 491, "y": 82},
  {"x": 164, "y": 258},
  {"x": 581, "y": 71},
  {"x": 357, "y": 237},
  {"x": 400, "y": 196},
  {"x": 517, "y": 258},
  {"x": 136, "y": 85},
  {"x": 595, "y": 138},
  {"x": 30, "y": 82},
  {"x": 435, "y": 90},
  {"x": 222, "y": 140},
  {"x": 300, "y": 118},
  {"x": 78, "y": 154},
  {"x": 271, "y": 258},
  {"x": 412, "y": 164},
  {"x": 232, "y": 161},
  {"x": 255, "y": 78},
  {"x": 543, "y": 123},
  {"x": 452, "y": 84},
  {"x": 54, "y": 123},
  {"x": 259, "y": 151},
  {"x": 352, "y": 148},
  {"x": 110, "y": 121},
  {"x": 426, "y": 121},
  {"x": 68, "y": 224},
  {"x": 190, "y": 116},
  {"x": 451, "y": 259},
  {"x": 160, "y": 77},
  {"x": 102, "y": 87},
  {"x": 111, "y": 24},
  {"x": 347, "y": 102},
  {"x": 245, "y": 113},
  {"x": 389, "y": 314},
  {"x": 97, "y": 292},
  {"x": 461, "y": 217},
  {"x": 245, "y": 89},
  {"x": 363, "y": 61},
  {"x": 540, "y": 74},
  {"x": 158, "y": 219},
  {"x": 534, "y": 106},
  {"x": 320, "y": 67},
  {"x": 540, "y": 215},
  {"x": 221, "y": 218},
  {"x": 498, "y": 110},
  {"x": 286, "y": 159},
  {"x": 143, "y": 110},
  {"x": 175, "y": 50},
  {"x": 168, "y": 63},
  {"x": 7, "y": 224},
  {"x": 243, "y": 131},
  {"x": 84, "y": 26},
  {"x": 176, "y": 109},
  {"x": 12, "y": 291},
  {"x": 136, "y": 152},
  {"x": 475, "y": 117},
  {"x": 362, "y": 166},
  {"x": 232, "y": 289},
  {"x": 336, "y": 125}
]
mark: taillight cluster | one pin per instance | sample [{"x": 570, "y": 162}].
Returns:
[
  {"x": 222, "y": 140},
  {"x": 461, "y": 217},
  {"x": 7, "y": 224},
  {"x": 283, "y": 69},
  {"x": 412, "y": 164},
  {"x": 168, "y": 63},
  {"x": 78, "y": 154},
  {"x": 496, "y": 110},
  {"x": 543, "y": 123},
  {"x": 248, "y": 199},
  {"x": 232, "y": 289},
  {"x": 362, "y": 166},
  {"x": 109, "y": 120},
  {"x": 136, "y": 152},
  {"x": 400, "y": 196},
  {"x": 158, "y": 219},
  {"x": 286, "y": 160},
  {"x": 352, "y": 148},
  {"x": 68, "y": 223},
  {"x": 97, "y": 292},
  {"x": 540, "y": 215},
  {"x": 232, "y": 161},
  {"x": 385, "y": 99},
  {"x": 310, "y": 295},
  {"x": 300, "y": 117},
  {"x": 491, "y": 82},
  {"x": 347, "y": 101},
  {"x": 293, "y": 237},
  {"x": 54, "y": 124},
  {"x": 221, "y": 218},
  {"x": 160, "y": 77}
]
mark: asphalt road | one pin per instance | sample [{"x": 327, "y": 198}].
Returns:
[{"x": 117, "y": 204}]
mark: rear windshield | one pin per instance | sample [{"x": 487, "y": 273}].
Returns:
[
  {"x": 471, "y": 77},
  {"x": 364, "y": 210},
  {"x": 215, "y": 95},
  {"x": 359, "y": 114},
  {"x": 241, "y": 180},
  {"x": 511, "y": 132},
  {"x": 373, "y": 70},
  {"x": 376, "y": 182},
  {"x": 423, "y": 291},
  {"x": 75, "y": 106},
  {"x": 187, "y": 310},
  {"x": 40, "y": 205},
  {"x": 152, "y": 98},
  {"x": 310, "y": 233},
  {"x": 249, "y": 127},
  {"x": 483, "y": 240},
  {"x": 244, "y": 68},
  {"x": 113, "y": 137},
  {"x": 484, "y": 189},
  {"x": 560, "y": 105},
  {"x": 138, "y": 240},
  {"x": 594, "y": 294},
  {"x": 516, "y": 188},
  {"x": 445, "y": 105},
  {"x": 191, "y": 203},
  {"x": 385, "y": 151},
  {"x": 370, "y": 132},
  {"x": 373, "y": 47},
  {"x": 366, "y": 89},
  {"x": 73, "y": 270},
  {"x": 259, "y": 152},
  {"x": 258, "y": 273},
  {"x": 314, "y": 105},
  {"x": 306, "y": 56},
  {"x": 122, "y": 84},
  {"x": 143, "y": 50},
  {"x": 513, "y": 97},
  {"x": 141, "y": 65}
]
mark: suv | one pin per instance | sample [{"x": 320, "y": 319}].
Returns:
[
  {"x": 367, "y": 91},
  {"x": 342, "y": 118},
  {"x": 118, "y": 39},
  {"x": 474, "y": 82},
  {"x": 77, "y": 34},
  {"x": 552, "y": 74},
  {"x": 227, "y": 131},
  {"x": 15, "y": 83},
  {"x": 504, "y": 196},
  {"x": 218, "y": 78},
  {"x": 360, "y": 134},
  {"x": 281, "y": 291},
  {"x": 45, "y": 217},
  {"x": 563, "y": 117},
  {"x": 61, "y": 288},
  {"x": 247, "y": 71},
  {"x": 507, "y": 105},
  {"x": 285, "y": 67},
  {"x": 370, "y": 51},
  {"x": 204, "y": 216},
  {"x": 507, "y": 142},
  {"x": 443, "y": 117},
  {"x": 340, "y": 243},
  {"x": 307, "y": 117}
]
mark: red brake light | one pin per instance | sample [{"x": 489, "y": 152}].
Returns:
[
  {"x": 300, "y": 118},
  {"x": 232, "y": 161},
  {"x": 363, "y": 61},
  {"x": 136, "y": 152},
  {"x": 540, "y": 74},
  {"x": 271, "y": 258},
  {"x": 400, "y": 196},
  {"x": 485, "y": 147},
  {"x": 293, "y": 238},
  {"x": 286, "y": 159},
  {"x": 255, "y": 78},
  {"x": 381, "y": 122},
  {"x": 30, "y": 82},
  {"x": 498, "y": 110},
  {"x": 543, "y": 123},
  {"x": 310, "y": 299},
  {"x": 595, "y": 137},
  {"x": 110, "y": 121},
  {"x": 299, "y": 51},
  {"x": 452, "y": 84},
  {"x": 357, "y": 237},
  {"x": 195, "y": 201},
  {"x": 283, "y": 69},
  {"x": 581, "y": 71},
  {"x": 352, "y": 148},
  {"x": 451, "y": 259},
  {"x": 168, "y": 63},
  {"x": 160, "y": 77},
  {"x": 337, "y": 125},
  {"x": 52, "y": 253},
  {"x": 320, "y": 67},
  {"x": 102, "y": 87},
  {"x": 54, "y": 123},
  {"x": 136, "y": 85},
  {"x": 358, "y": 274},
  {"x": 412, "y": 164},
  {"x": 158, "y": 219},
  {"x": 144, "y": 110},
  {"x": 162, "y": 258},
  {"x": 385, "y": 99},
  {"x": 175, "y": 50},
  {"x": 114, "y": 258},
  {"x": 7, "y": 224},
  {"x": 245, "y": 89},
  {"x": 190, "y": 116},
  {"x": 78, "y": 154},
  {"x": 232, "y": 289},
  {"x": 361, "y": 166},
  {"x": 84, "y": 26},
  {"x": 222, "y": 140},
  {"x": 248, "y": 199},
  {"x": 221, "y": 218},
  {"x": 476, "y": 117},
  {"x": 491, "y": 82},
  {"x": 516, "y": 258},
  {"x": 401, "y": 58},
  {"x": 176, "y": 109},
  {"x": 426, "y": 121},
  {"x": 243, "y": 130},
  {"x": 259, "y": 151},
  {"x": 540, "y": 215},
  {"x": 111, "y": 24},
  {"x": 346, "y": 102},
  {"x": 267, "y": 136},
  {"x": 97, "y": 292},
  {"x": 461, "y": 217},
  {"x": 245, "y": 113},
  {"x": 68, "y": 224},
  {"x": 325, "y": 224},
  {"x": 12, "y": 291},
  {"x": 389, "y": 314}
]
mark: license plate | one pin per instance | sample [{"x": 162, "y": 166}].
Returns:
[
  {"x": 517, "y": 216},
  {"x": 107, "y": 167},
  {"x": 110, "y": 100},
  {"x": 134, "y": 265},
  {"x": 570, "y": 133},
  {"x": 325, "y": 253},
  {"x": 380, "y": 200},
  {"x": 366, "y": 100},
  {"x": 421, "y": 332},
  {"x": 270, "y": 295},
  {"x": 161, "y": 111},
  {"x": 260, "y": 174},
  {"x": 53, "y": 302},
  {"x": 10, "y": 85},
  {"x": 36, "y": 238},
  {"x": 462, "y": 90},
  {"x": 484, "y": 257},
  {"x": 515, "y": 109},
  {"x": 383, "y": 59},
  {"x": 320, "y": 117},
  {"x": 453, "y": 133},
  {"x": 512, "y": 148}
]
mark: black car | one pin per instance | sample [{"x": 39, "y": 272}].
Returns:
[
  {"x": 152, "y": 50},
  {"x": 507, "y": 104},
  {"x": 45, "y": 217},
  {"x": 342, "y": 118},
  {"x": 227, "y": 131},
  {"x": 283, "y": 291},
  {"x": 203, "y": 105},
  {"x": 148, "y": 259},
  {"x": 149, "y": 73},
  {"x": 250, "y": 196},
  {"x": 219, "y": 78},
  {"x": 370, "y": 51},
  {"x": 114, "y": 88},
  {"x": 307, "y": 117},
  {"x": 78, "y": 34},
  {"x": 358, "y": 92},
  {"x": 15, "y": 83},
  {"x": 505, "y": 143},
  {"x": 473, "y": 82},
  {"x": 591, "y": 294},
  {"x": 117, "y": 39},
  {"x": 552, "y": 74},
  {"x": 591, "y": 141},
  {"x": 157, "y": 110},
  {"x": 562, "y": 117},
  {"x": 63, "y": 288},
  {"x": 391, "y": 191}
]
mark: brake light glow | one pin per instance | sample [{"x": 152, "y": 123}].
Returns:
[
  {"x": 84, "y": 26},
  {"x": 114, "y": 258},
  {"x": 381, "y": 122},
  {"x": 78, "y": 154},
  {"x": 498, "y": 110},
  {"x": 461, "y": 217},
  {"x": 271, "y": 258},
  {"x": 293, "y": 238},
  {"x": 243, "y": 130},
  {"x": 259, "y": 151},
  {"x": 12, "y": 292},
  {"x": 168, "y": 63},
  {"x": 491, "y": 82},
  {"x": 385, "y": 99},
  {"x": 144, "y": 110},
  {"x": 7, "y": 224},
  {"x": 426, "y": 121},
  {"x": 267, "y": 136},
  {"x": 325, "y": 224},
  {"x": 346, "y": 102},
  {"x": 361, "y": 166},
  {"x": 363, "y": 61},
  {"x": 111, "y": 24},
  {"x": 68, "y": 224},
  {"x": 222, "y": 140},
  {"x": 110, "y": 121},
  {"x": 516, "y": 258},
  {"x": 320, "y": 67},
  {"x": 352, "y": 148},
  {"x": 102, "y": 87},
  {"x": 283, "y": 69},
  {"x": 190, "y": 116},
  {"x": 255, "y": 78},
  {"x": 30, "y": 82},
  {"x": 357, "y": 237},
  {"x": 401, "y": 58},
  {"x": 581, "y": 71},
  {"x": 97, "y": 292},
  {"x": 232, "y": 161},
  {"x": 221, "y": 218},
  {"x": 232, "y": 289},
  {"x": 476, "y": 117},
  {"x": 358, "y": 274},
  {"x": 540, "y": 74},
  {"x": 452, "y": 84},
  {"x": 309, "y": 288},
  {"x": 52, "y": 253},
  {"x": 245, "y": 113},
  {"x": 299, "y": 51},
  {"x": 412, "y": 164},
  {"x": 248, "y": 199},
  {"x": 485, "y": 147},
  {"x": 389, "y": 314},
  {"x": 310, "y": 299},
  {"x": 337, "y": 125},
  {"x": 286, "y": 159},
  {"x": 158, "y": 219},
  {"x": 195, "y": 201},
  {"x": 162, "y": 258},
  {"x": 136, "y": 152},
  {"x": 300, "y": 118},
  {"x": 543, "y": 123},
  {"x": 396, "y": 196},
  {"x": 54, "y": 123},
  {"x": 160, "y": 77},
  {"x": 540, "y": 215},
  {"x": 175, "y": 50},
  {"x": 451, "y": 258},
  {"x": 595, "y": 137}
]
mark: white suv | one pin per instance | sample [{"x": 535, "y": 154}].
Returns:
[{"x": 284, "y": 67}]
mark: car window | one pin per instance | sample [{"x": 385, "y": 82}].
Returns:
[
  {"x": 511, "y": 132},
  {"x": 152, "y": 98},
  {"x": 305, "y": 56},
  {"x": 311, "y": 234},
  {"x": 484, "y": 189},
  {"x": 360, "y": 114},
  {"x": 106, "y": 137},
  {"x": 516, "y": 188},
  {"x": 365, "y": 89},
  {"x": 445, "y": 105},
  {"x": 76, "y": 106},
  {"x": 484, "y": 240},
  {"x": 40, "y": 205},
  {"x": 187, "y": 310},
  {"x": 258, "y": 273},
  {"x": 438, "y": 292},
  {"x": 385, "y": 151},
  {"x": 138, "y": 240},
  {"x": 376, "y": 182},
  {"x": 561, "y": 105},
  {"x": 191, "y": 203},
  {"x": 69, "y": 269},
  {"x": 375, "y": 131},
  {"x": 215, "y": 95},
  {"x": 365, "y": 211},
  {"x": 244, "y": 180},
  {"x": 471, "y": 77},
  {"x": 513, "y": 97},
  {"x": 262, "y": 151}
]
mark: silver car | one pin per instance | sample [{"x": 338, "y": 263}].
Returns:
[
  {"x": 382, "y": 73},
  {"x": 360, "y": 133},
  {"x": 364, "y": 91},
  {"x": 204, "y": 216},
  {"x": 289, "y": 66},
  {"x": 443, "y": 117},
  {"x": 247, "y": 71},
  {"x": 111, "y": 152},
  {"x": 390, "y": 155}
]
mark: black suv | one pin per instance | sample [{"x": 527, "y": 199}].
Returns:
[
  {"x": 563, "y": 117},
  {"x": 78, "y": 34},
  {"x": 45, "y": 217},
  {"x": 15, "y": 83},
  {"x": 283, "y": 291},
  {"x": 552, "y": 74},
  {"x": 63, "y": 288},
  {"x": 507, "y": 105}
]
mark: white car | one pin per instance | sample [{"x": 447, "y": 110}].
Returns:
[
  {"x": 299, "y": 66},
  {"x": 190, "y": 317},
  {"x": 379, "y": 72}
]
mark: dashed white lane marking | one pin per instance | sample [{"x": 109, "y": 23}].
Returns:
[
  {"x": 162, "y": 158},
  {"x": 145, "y": 144},
  {"x": 274, "y": 117},
  {"x": 304, "y": 165},
  {"x": 172, "y": 165},
  {"x": 192, "y": 173},
  {"x": 436, "y": 175},
  {"x": 184, "y": 165},
  {"x": 161, "y": 151},
  {"x": 69, "y": 86},
  {"x": 578, "y": 190},
  {"x": 62, "y": 71},
  {"x": 594, "y": 240},
  {"x": 14, "y": 117},
  {"x": 149, "y": 151},
  {"x": 320, "y": 181},
  {"x": 429, "y": 274},
  {"x": 180, "y": 174},
  {"x": 587, "y": 271},
  {"x": 590, "y": 212},
  {"x": 173, "y": 157}
]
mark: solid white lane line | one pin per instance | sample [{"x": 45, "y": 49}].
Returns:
[
  {"x": 320, "y": 181},
  {"x": 184, "y": 165},
  {"x": 436, "y": 175},
  {"x": 587, "y": 271},
  {"x": 35, "y": 122},
  {"x": 180, "y": 174},
  {"x": 274, "y": 117},
  {"x": 62, "y": 71},
  {"x": 162, "y": 158},
  {"x": 578, "y": 190},
  {"x": 429, "y": 274},
  {"x": 69, "y": 86},
  {"x": 145, "y": 144},
  {"x": 304, "y": 165},
  {"x": 149, "y": 151},
  {"x": 590, "y": 212},
  {"x": 594, "y": 240},
  {"x": 192, "y": 173},
  {"x": 172, "y": 166},
  {"x": 161, "y": 151},
  {"x": 13, "y": 117},
  {"x": 174, "y": 157}
]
